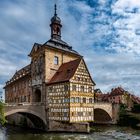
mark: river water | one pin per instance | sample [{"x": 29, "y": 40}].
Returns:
[{"x": 100, "y": 133}]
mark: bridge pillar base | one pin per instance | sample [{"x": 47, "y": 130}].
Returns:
[{"x": 68, "y": 127}]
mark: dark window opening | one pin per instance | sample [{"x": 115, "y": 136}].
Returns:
[
  {"x": 84, "y": 100},
  {"x": 82, "y": 88},
  {"x": 37, "y": 96}
]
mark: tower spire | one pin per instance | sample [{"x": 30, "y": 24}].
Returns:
[
  {"x": 55, "y": 9},
  {"x": 55, "y": 25}
]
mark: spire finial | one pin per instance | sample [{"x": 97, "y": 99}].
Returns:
[{"x": 55, "y": 9}]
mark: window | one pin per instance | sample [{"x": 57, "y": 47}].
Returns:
[
  {"x": 77, "y": 100},
  {"x": 90, "y": 89},
  {"x": 90, "y": 100},
  {"x": 78, "y": 78},
  {"x": 84, "y": 100},
  {"x": 90, "y": 113},
  {"x": 66, "y": 87},
  {"x": 82, "y": 88},
  {"x": 24, "y": 98},
  {"x": 74, "y": 87},
  {"x": 80, "y": 113},
  {"x": 72, "y": 113},
  {"x": 65, "y": 114},
  {"x": 72, "y": 100},
  {"x": 66, "y": 100},
  {"x": 56, "y": 60}
]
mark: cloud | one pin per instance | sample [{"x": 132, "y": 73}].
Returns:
[
  {"x": 126, "y": 26},
  {"x": 105, "y": 32},
  {"x": 112, "y": 70}
]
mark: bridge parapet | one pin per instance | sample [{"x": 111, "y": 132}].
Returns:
[{"x": 24, "y": 104}]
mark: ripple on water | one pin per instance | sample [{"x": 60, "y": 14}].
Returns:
[
  {"x": 115, "y": 133},
  {"x": 121, "y": 135}
]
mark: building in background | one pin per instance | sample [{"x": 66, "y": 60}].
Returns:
[{"x": 117, "y": 96}]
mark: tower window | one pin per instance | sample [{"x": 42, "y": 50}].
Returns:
[{"x": 56, "y": 60}]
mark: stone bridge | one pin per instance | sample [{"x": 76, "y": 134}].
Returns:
[
  {"x": 30, "y": 110},
  {"x": 105, "y": 113}
]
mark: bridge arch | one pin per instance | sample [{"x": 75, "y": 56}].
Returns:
[
  {"x": 26, "y": 111},
  {"x": 103, "y": 113},
  {"x": 101, "y": 116}
]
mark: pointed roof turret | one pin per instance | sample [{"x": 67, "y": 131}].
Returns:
[{"x": 55, "y": 25}]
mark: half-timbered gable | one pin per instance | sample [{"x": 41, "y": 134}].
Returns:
[
  {"x": 81, "y": 94},
  {"x": 70, "y": 96}
]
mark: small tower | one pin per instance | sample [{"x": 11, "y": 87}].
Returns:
[{"x": 55, "y": 25}]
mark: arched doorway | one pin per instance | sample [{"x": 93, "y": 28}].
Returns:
[
  {"x": 101, "y": 116},
  {"x": 37, "y": 95}
]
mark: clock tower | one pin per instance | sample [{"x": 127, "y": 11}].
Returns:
[{"x": 55, "y": 25}]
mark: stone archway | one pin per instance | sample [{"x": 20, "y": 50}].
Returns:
[
  {"x": 101, "y": 116},
  {"x": 37, "y": 119},
  {"x": 37, "y": 95}
]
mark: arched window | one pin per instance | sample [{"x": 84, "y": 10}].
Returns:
[{"x": 56, "y": 60}]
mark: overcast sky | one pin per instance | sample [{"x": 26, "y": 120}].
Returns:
[{"x": 105, "y": 32}]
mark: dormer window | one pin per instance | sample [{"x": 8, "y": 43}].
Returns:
[{"x": 56, "y": 60}]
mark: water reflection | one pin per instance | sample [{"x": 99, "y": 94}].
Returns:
[
  {"x": 2, "y": 134},
  {"x": 101, "y": 133}
]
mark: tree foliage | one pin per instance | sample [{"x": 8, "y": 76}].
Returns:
[
  {"x": 2, "y": 118},
  {"x": 136, "y": 108},
  {"x": 126, "y": 118}
]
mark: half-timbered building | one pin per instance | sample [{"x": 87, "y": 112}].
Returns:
[{"x": 57, "y": 77}]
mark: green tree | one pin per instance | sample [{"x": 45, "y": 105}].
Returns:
[
  {"x": 123, "y": 116},
  {"x": 2, "y": 118}
]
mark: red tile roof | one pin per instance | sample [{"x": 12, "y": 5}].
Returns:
[
  {"x": 135, "y": 99},
  {"x": 117, "y": 91},
  {"x": 65, "y": 72}
]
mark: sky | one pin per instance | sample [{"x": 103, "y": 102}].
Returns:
[{"x": 105, "y": 32}]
